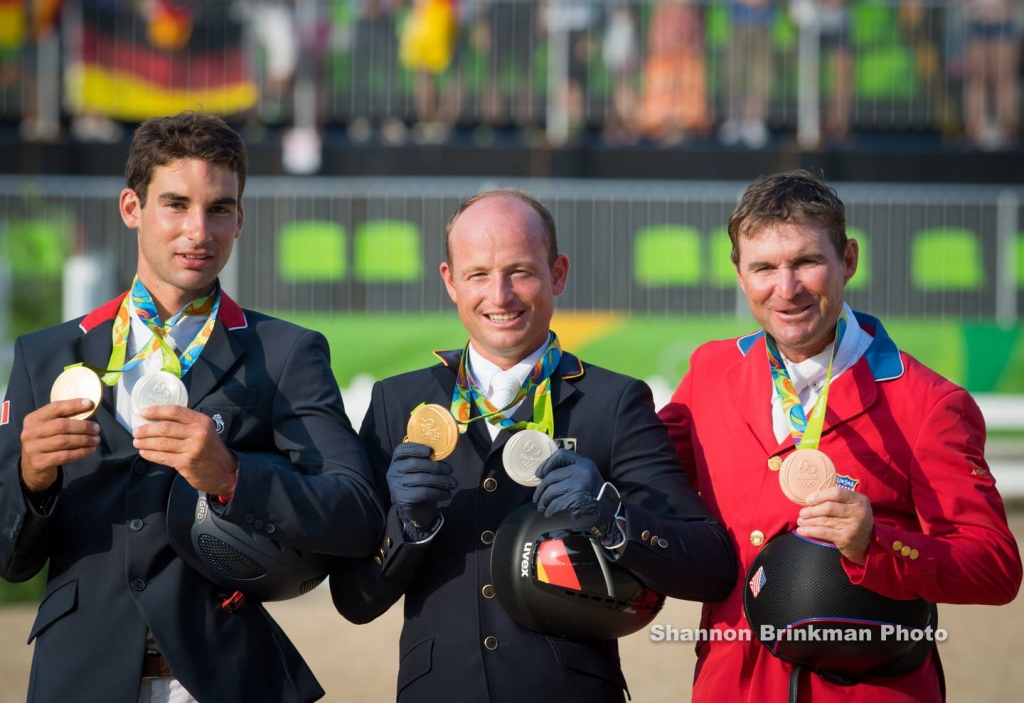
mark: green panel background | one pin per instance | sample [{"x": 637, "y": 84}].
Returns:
[{"x": 981, "y": 357}]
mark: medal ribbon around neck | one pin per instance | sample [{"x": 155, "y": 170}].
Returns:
[
  {"x": 467, "y": 392},
  {"x": 145, "y": 309},
  {"x": 806, "y": 432}
]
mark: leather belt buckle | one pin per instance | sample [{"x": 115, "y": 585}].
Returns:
[{"x": 154, "y": 666}]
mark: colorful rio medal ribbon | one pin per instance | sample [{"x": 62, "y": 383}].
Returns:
[
  {"x": 532, "y": 442},
  {"x": 807, "y": 469}
]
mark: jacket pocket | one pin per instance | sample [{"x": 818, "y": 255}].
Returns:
[
  {"x": 415, "y": 663},
  {"x": 61, "y": 601},
  {"x": 596, "y": 659}
]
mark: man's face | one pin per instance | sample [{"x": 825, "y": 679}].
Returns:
[
  {"x": 186, "y": 230},
  {"x": 500, "y": 279},
  {"x": 793, "y": 279}
]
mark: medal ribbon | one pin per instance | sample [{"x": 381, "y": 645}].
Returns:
[
  {"x": 806, "y": 431},
  {"x": 146, "y": 311},
  {"x": 467, "y": 392}
]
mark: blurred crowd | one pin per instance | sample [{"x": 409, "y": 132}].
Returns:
[{"x": 655, "y": 71}]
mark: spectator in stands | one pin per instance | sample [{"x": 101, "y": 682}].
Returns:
[
  {"x": 748, "y": 73},
  {"x": 620, "y": 51},
  {"x": 837, "y": 60},
  {"x": 674, "y": 97},
  {"x": 993, "y": 65}
]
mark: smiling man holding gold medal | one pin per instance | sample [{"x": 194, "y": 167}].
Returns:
[
  {"x": 512, "y": 424},
  {"x": 851, "y": 478},
  {"x": 172, "y": 389}
]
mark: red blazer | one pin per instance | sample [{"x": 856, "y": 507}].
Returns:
[{"x": 910, "y": 440}]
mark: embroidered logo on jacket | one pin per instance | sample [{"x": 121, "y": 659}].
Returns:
[
  {"x": 218, "y": 422},
  {"x": 847, "y": 482},
  {"x": 5, "y": 414}
]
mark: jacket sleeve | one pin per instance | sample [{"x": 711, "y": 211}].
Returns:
[
  {"x": 965, "y": 552},
  {"x": 24, "y": 528},
  {"x": 328, "y": 504},
  {"x": 672, "y": 541},
  {"x": 364, "y": 589}
]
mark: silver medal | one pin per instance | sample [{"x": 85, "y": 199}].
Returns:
[
  {"x": 524, "y": 452},
  {"x": 160, "y": 388}
]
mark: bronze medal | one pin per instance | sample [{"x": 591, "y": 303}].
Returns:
[
  {"x": 78, "y": 382},
  {"x": 435, "y": 427},
  {"x": 804, "y": 472}
]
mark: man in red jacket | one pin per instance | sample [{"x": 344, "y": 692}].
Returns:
[{"x": 904, "y": 492}]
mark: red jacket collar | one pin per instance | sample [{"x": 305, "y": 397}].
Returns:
[{"x": 230, "y": 314}]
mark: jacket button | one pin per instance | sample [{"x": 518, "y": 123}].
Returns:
[
  {"x": 138, "y": 585},
  {"x": 897, "y": 546},
  {"x": 490, "y": 643},
  {"x": 914, "y": 554},
  {"x": 378, "y": 560},
  {"x": 662, "y": 542},
  {"x": 905, "y": 551},
  {"x": 388, "y": 542},
  {"x": 383, "y": 552},
  {"x": 775, "y": 463},
  {"x": 490, "y": 485},
  {"x": 248, "y": 519},
  {"x": 654, "y": 540},
  {"x": 487, "y": 537},
  {"x": 645, "y": 535},
  {"x": 258, "y": 524},
  {"x": 270, "y": 528},
  {"x": 136, "y": 525},
  {"x": 757, "y": 538},
  {"x": 488, "y": 591},
  {"x": 140, "y": 468}
]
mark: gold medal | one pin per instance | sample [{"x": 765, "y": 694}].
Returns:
[
  {"x": 435, "y": 427},
  {"x": 804, "y": 472},
  {"x": 78, "y": 382}
]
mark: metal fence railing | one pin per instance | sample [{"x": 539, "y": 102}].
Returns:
[{"x": 373, "y": 245}]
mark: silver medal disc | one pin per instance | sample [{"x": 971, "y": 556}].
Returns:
[
  {"x": 160, "y": 388},
  {"x": 524, "y": 453}
]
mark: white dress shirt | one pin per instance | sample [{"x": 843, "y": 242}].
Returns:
[
  {"x": 484, "y": 372},
  {"x": 180, "y": 336},
  {"x": 809, "y": 375}
]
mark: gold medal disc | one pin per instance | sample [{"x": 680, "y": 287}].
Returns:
[
  {"x": 78, "y": 382},
  {"x": 804, "y": 472},
  {"x": 434, "y": 426}
]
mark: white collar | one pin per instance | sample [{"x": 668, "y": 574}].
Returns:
[
  {"x": 484, "y": 370},
  {"x": 812, "y": 370}
]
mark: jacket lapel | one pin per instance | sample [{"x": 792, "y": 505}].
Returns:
[
  {"x": 751, "y": 388},
  {"x": 851, "y": 395},
  {"x": 221, "y": 353}
]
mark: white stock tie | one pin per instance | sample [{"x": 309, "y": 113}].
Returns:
[{"x": 504, "y": 387}]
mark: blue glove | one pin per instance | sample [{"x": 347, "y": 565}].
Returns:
[
  {"x": 571, "y": 483},
  {"x": 417, "y": 484}
]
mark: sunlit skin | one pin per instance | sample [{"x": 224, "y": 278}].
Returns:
[
  {"x": 186, "y": 232},
  {"x": 501, "y": 280},
  {"x": 794, "y": 278}
]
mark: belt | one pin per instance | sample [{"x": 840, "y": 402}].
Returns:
[{"x": 155, "y": 666}]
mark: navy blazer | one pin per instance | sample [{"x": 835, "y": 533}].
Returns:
[
  {"x": 112, "y": 573},
  {"x": 448, "y": 611}
]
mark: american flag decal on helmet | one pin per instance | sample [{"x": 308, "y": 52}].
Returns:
[{"x": 757, "y": 582}]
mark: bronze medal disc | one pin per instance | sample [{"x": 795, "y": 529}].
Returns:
[
  {"x": 804, "y": 472},
  {"x": 434, "y": 426},
  {"x": 78, "y": 382}
]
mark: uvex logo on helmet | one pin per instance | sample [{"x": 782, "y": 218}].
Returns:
[{"x": 525, "y": 564}]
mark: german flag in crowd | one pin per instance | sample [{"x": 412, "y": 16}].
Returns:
[{"x": 131, "y": 67}]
